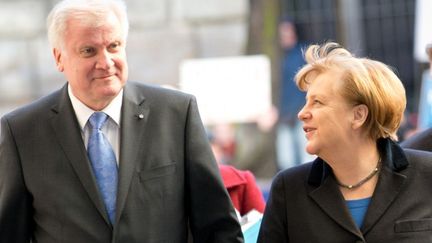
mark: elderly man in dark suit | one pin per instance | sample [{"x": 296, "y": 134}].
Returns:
[
  {"x": 104, "y": 161},
  {"x": 422, "y": 140}
]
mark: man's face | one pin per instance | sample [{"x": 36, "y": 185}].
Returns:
[
  {"x": 287, "y": 35},
  {"x": 93, "y": 59}
]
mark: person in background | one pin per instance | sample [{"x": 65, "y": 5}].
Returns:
[
  {"x": 106, "y": 160},
  {"x": 363, "y": 187},
  {"x": 422, "y": 140},
  {"x": 244, "y": 192},
  {"x": 290, "y": 140}
]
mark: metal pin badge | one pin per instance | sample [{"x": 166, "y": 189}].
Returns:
[{"x": 140, "y": 116}]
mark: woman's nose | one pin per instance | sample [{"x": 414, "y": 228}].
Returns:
[{"x": 303, "y": 114}]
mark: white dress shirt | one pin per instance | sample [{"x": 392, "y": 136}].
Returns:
[{"x": 111, "y": 128}]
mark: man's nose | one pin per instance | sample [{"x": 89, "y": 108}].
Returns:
[{"x": 104, "y": 60}]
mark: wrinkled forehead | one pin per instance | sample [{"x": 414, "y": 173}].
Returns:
[
  {"x": 95, "y": 19},
  {"x": 92, "y": 24}
]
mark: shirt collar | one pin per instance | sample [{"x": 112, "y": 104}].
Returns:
[{"x": 83, "y": 112}]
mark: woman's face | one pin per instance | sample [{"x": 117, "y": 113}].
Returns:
[{"x": 326, "y": 116}]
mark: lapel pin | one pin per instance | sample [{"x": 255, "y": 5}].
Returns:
[{"x": 140, "y": 116}]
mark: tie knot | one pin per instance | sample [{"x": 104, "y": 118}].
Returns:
[{"x": 98, "y": 119}]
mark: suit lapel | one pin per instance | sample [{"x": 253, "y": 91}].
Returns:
[
  {"x": 68, "y": 134},
  {"x": 386, "y": 191},
  {"x": 331, "y": 201},
  {"x": 134, "y": 117},
  {"x": 389, "y": 183}
]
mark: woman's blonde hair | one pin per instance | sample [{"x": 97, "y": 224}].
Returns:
[{"x": 363, "y": 81}]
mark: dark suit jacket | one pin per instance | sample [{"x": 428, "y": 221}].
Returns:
[
  {"x": 306, "y": 204},
  {"x": 420, "y": 141},
  {"x": 168, "y": 178}
]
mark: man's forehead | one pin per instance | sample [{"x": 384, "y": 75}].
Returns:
[{"x": 110, "y": 27}]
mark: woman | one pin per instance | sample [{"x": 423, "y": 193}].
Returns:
[{"x": 362, "y": 187}]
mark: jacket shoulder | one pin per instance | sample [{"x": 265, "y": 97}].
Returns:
[
  {"x": 35, "y": 109},
  {"x": 157, "y": 92},
  {"x": 294, "y": 177},
  {"x": 422, "y": 141},
  {"x": 419, "y": 159}
]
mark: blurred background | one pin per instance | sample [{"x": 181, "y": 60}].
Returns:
[{"x": 165, "y": 33}]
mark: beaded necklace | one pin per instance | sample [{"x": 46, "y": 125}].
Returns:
[{"x": 362, "y": 181}]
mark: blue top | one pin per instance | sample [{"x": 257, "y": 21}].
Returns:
[{"x": 358, "y": 209}]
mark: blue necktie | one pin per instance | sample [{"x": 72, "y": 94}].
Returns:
[{"x": 103, "y": 162}]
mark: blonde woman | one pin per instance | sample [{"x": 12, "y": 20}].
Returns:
[{"x": 363, "y": 187}]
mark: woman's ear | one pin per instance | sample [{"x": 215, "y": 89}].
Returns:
[{"x": 360, "y": 115}]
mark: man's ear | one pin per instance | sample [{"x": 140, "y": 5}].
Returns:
[
  {"x": 360, "y": 114},
  {"x": 58, "y": 59}
]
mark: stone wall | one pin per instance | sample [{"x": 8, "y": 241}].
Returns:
[{"x": 162, "y": 34}]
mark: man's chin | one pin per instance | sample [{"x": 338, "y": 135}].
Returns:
[
  {"x": 109, "y": 93},
  {"x": 111, "y": 88}
]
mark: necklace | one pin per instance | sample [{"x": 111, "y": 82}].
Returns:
[{"x": 364, "y": 180}]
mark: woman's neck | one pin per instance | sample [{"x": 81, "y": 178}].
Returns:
[{"x": 356, "y": 166}]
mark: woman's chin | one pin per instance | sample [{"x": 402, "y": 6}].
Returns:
[{"x": 310, "y": 149}]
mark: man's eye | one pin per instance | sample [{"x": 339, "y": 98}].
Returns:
[
  {"x": 317, "y": 102},
  {"x": 87, "y": 51},
  {"x": 114, "y": 46}
]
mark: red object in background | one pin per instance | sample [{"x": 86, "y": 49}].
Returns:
[{"x": 242, "y": 188}]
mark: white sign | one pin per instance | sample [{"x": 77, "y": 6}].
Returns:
[
  {"x": 228, "y": 90},
  {"x": 423, "y": 29}
]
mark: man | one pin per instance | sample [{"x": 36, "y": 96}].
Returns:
[
  {"x": 290, "y": 139},
  {"x": 422, "y": 140},
  {"x": 104, "y": 161}
]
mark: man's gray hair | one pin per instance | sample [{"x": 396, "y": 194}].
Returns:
[{"x": 89, "y": 12}]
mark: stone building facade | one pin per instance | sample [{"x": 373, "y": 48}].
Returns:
[{"x": 163, "y": 33}]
